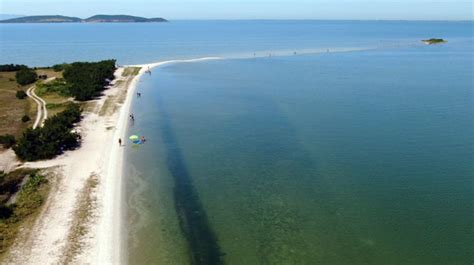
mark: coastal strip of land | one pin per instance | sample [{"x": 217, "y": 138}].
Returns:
[{"x": 81, "y": 220}]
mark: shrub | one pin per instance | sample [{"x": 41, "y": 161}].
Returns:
[
  {"x": 20, "y": 94},
  {"x": 52, "y": 139},
  {"x": 7, "y": 140},
  {"x": 25, "y": 118},
  {"x": 25, "y": 76}
]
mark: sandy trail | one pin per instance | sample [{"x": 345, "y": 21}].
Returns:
[{"x": 42, "y": 112}]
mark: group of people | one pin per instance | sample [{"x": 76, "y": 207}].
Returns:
[
  {"x": 142, "y": 140},
  {"x": 132, "y": 119}
]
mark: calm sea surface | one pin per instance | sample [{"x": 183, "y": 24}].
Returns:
[{"x": 356, "y": 157}]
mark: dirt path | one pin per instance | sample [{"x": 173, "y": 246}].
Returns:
[{"x": 42, "y": 112}]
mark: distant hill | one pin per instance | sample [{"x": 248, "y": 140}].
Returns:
[
  {"x": 93, "y": 19},
  {"x": 121, "y": 18},
  {"x": 42, "y": 19}
]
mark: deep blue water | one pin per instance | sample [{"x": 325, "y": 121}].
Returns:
[{"x": 356, "y": 157}]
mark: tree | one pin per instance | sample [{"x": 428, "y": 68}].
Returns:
[
  {"x": 88, "y": 80},
  {"x": 11, "y": 67},
  {"x": 25, "y": 76}
]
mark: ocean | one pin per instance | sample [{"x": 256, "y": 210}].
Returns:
[{"x": 309, "y": 142}]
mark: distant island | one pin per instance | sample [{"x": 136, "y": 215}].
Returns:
[
  {"x": 93, "y": 19},
  {"x": 434, "y": 41}
]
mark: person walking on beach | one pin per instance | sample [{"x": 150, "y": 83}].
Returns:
[{"x": 120, "y": 141}]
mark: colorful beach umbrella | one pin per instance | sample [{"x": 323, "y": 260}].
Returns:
[{"x": 134, "y": 137}]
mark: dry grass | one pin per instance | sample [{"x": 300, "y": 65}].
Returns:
[
  {"x": 55, "y": 103},
  {"x": 112, "y": 103},
  {"x": 11, "y": 108},
  {"x": 49, "y": 73},
  {"x": 131, "y": 71}
]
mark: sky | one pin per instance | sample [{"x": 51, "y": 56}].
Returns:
[{"x": 250, "y": 9}]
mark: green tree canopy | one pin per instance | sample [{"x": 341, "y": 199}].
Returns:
[{"x": 26, "y": 76}]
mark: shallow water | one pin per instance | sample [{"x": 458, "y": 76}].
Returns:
[{"x": 340, "y": 158}]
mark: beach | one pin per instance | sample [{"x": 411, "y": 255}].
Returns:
[{"x": 81, "y": 221}]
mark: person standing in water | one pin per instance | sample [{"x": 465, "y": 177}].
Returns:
[{"x": 120, "y": 141}]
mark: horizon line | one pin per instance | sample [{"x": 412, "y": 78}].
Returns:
[
  {"x": 263, "y": 19},
  {"x": 272, "y": 19}
]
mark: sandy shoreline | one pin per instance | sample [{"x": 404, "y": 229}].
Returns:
[
  {"x": 54, "y": 237},
  {"x": 106, "y": 246}
]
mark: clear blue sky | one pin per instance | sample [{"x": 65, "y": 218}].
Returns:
[{"x": 250, "y": 9}]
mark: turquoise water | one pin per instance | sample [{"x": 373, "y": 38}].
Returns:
[
  {"x": 362, "y": 157},
  {"x": 340, "y": 158}
]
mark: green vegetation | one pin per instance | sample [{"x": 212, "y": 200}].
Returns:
[
  {"x": 26, "y": 76},
  {"x": 20, "y": 94},
  {"x": 88, "y": 80},
  {"x": 29, "y": 198},
  {"x": 58, "y": 86},
  {"x": 11, "y": 67},
  {"x": 52, "y": 139},
  {"x": 7, "y": 140},
  {"x": 54, "y": 105},
  {"x": 434, "y": 41}
]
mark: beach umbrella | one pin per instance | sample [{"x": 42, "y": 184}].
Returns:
[{"x": 134, "y": 137}]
